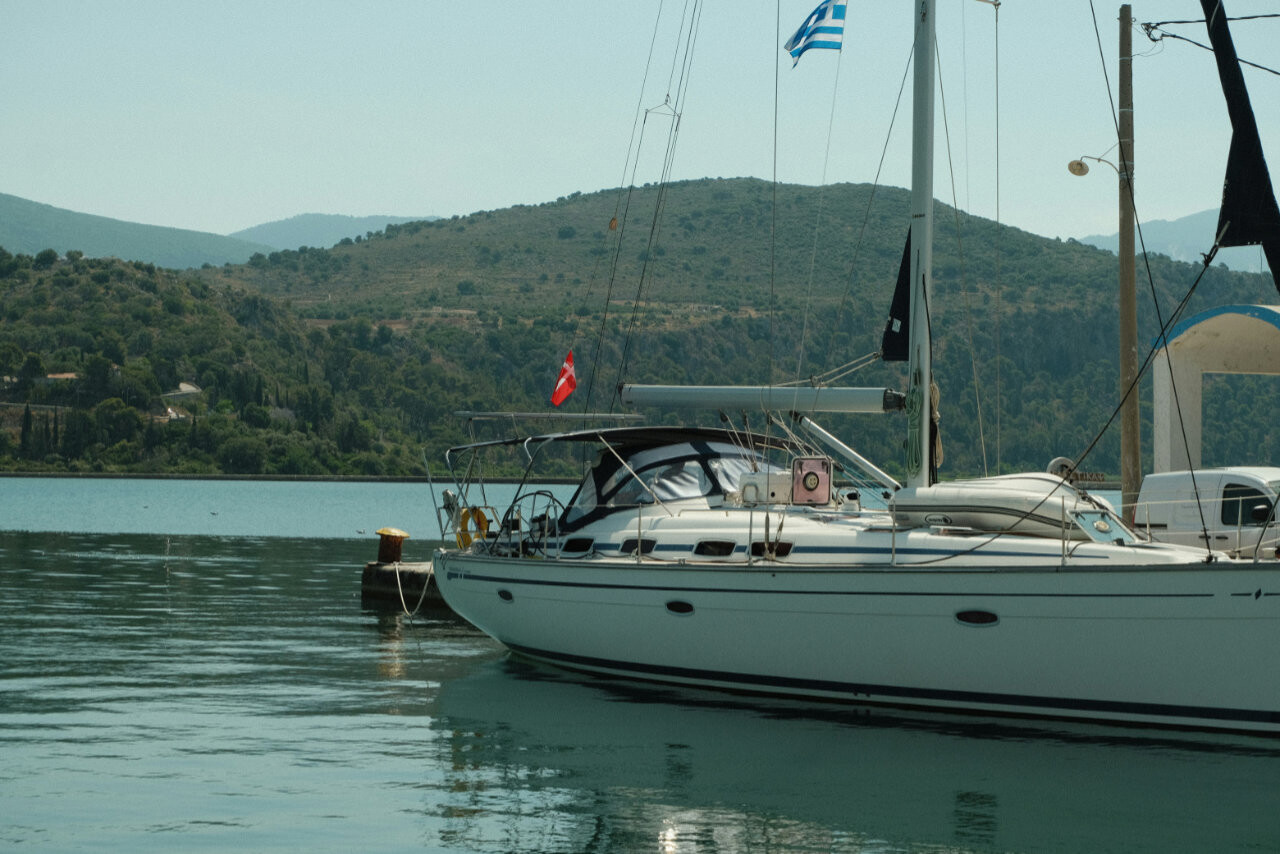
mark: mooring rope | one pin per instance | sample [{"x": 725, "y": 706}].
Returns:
[{"x": 421, "y": 598}]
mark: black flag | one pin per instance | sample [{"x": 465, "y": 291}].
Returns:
[
  {"x": 1249, "y": 214},
  {"x": 895, "y": 345}
]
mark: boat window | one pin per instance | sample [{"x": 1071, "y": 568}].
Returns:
[
  {"x": 1238, "y": 501},
  {"x": 665, "y": 482},
  {"x": 583, "y": 501},
  {"x": 1103, "y": 527}
]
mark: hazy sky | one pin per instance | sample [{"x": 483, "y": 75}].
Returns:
[{"x": 221, "y": 115}]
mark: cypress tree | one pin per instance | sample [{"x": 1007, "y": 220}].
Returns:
[{"x": 24, "y": 439}]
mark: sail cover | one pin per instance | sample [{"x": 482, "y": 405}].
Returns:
[{"x": 1249, "y": 215}]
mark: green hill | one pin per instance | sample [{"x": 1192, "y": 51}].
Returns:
[
  {"x": 30, "y": 227},
  {"x": 353, "y": 359}
]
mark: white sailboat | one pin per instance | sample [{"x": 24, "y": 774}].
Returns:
[{"x": 728, "y": 560}]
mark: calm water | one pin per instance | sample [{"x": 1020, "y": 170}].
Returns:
[{"x": 193, "y": 688}]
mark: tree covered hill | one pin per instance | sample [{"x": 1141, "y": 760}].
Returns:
[
  {"x": 353, "y": 359},
  {"x": 1026, "y": 326}
]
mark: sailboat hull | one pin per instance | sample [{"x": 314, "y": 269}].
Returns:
[{"x": 1176, "y": 646}]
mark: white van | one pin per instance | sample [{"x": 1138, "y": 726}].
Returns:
[{"x": 1235, "y": 502}]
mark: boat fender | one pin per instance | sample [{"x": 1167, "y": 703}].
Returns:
[{"x": 469, "y": 515}]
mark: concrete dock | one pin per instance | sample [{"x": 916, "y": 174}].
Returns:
[{"x": 413, "y": 582}]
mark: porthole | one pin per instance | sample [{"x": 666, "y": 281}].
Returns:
[
  {"x": 679, "y": 606},
  {"x": 977, "y": 618},
  {"x": 505, "y": 595}
]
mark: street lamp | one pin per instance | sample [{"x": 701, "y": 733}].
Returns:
[{"x": 1079, "y": 168}]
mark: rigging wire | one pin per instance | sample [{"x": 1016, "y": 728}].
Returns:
[
  {"x": 875, "y": 185},
  {"x": 1146, "y": 363},
  {"x": 964, "y": 98},
  {"x": 817, "y": 219},
  {"x": 773, "y": 205},
  {"x": 773, "y": 240},
  {"x": 622, "y": 207},
  {"x": 964, "y": 271},
  {"x": 1154, "y": 31},
  {"x": 674, "y": 109},
  {"x": 834, "y": 374},
  {"x": 999, "y": 312}
]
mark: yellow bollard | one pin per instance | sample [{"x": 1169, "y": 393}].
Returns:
[{"x": 392, "y": 539}]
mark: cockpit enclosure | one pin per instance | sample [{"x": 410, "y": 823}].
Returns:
[
  {"x": 624, "y": 468},
  {"x": 624, "y": 478}
]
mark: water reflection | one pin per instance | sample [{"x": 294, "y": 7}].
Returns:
[
  {"x": 621, "y": 764},
  {"x": 400, "y": 645}
]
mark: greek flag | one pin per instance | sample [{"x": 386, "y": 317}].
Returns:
[{"x": 823, "y": 28}]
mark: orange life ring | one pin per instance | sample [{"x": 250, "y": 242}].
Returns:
[{"x": 469, "y": 515}]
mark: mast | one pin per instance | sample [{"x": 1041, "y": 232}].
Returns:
[{"x": 920, "y": 467}]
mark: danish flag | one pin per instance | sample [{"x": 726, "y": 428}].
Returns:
[{"x": 566, "y": 382}]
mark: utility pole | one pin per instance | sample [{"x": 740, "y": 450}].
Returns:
[{"x": 1130, "y": 425}]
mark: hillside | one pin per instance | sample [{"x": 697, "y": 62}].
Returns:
[
  {"x": 318, "y": 229},
  {"x": 29, "y": 227},
  {"x": 1036, "y": 316},
  {"x": 353, "y": 359}
]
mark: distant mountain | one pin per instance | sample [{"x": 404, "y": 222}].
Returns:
[
  {"x": 29, "y": 227},
  {"x": 1186, "y": 239},
  {"x": 320, "y": 230}
]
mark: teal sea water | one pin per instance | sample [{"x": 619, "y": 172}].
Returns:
[{"x": 189, "y": 665}]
